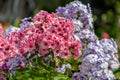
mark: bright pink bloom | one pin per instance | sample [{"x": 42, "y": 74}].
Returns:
[
  {"x": 47, "y": 33},
  {"x": 105, "y": 35},
  {"x": 57, "y": 35},
  {"x": 76, "y": 48},
  {"x": 7, "y": 48}
]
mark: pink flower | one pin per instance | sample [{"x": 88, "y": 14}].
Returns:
[
  {"x": 76, "y": 49},
  {"x": 40, "y": 17},
  {"x": 66, "y": 54},
  {"x": 105, "y": 35},
  {"x": 49, "y": 32},
  {"x": 2, "y": 56},
  {"x": 2, "y": 62},
  {"x": 1, "y": 30},
  {"x": 57, "y": 35},
  {"x": 21, "y": 51},
  {"x": 22, "y": 65},
  {"x": 27, "y": 44}
]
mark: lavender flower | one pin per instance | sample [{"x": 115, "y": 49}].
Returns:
[
  {"x": 78, "y": 25},
  {"x": 13, "y": 63},
  {"x": 110, "y": 48},
  {"x": 10, "y": 30},
  {"x": 48, "y": 58},
  {"x": 78, "y": 12},
  {"x": 109, "y": 45},
  {"x": 78, "y": 76},
  {"x": 25, "y": 23},
  {"x": 87, "y": 36},
  {"x": 63, "y": 68},
  {"x": 99, "y": 61}
]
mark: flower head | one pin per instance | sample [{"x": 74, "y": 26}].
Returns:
[
  {"x": 15, "y": 62},
  {"x": 57, "y": 35},
  {"x": 105, "y": 35},
  {"x": 77, "y": 11},
  {"x": 98, "y": 61}
]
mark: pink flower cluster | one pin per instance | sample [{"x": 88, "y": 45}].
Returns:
[
  {"x": 7, "y": 49},
  {"x": 57, "y": 35},
  {"x": 49, "y": 32}
]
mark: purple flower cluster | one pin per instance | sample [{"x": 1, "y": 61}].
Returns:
[
  {"x": 99, "y": 61},
  {"x": 12, "y": 63},
  {"x": 10, "y": 30},
  {"x": 87, "y": 36},
  {"x": 25, "y": 23}
]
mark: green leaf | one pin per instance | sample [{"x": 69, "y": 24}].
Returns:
[
  {"x": 117, "y": 71},
  {"x": 70, "y": 59},
  {"x": 61, "y": 77},
  {"x": 117, "y": 74},
  {"x": 39, "y": 78},
  {"x": 74, "y": 68}
]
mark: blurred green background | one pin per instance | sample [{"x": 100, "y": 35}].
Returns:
[{"x": 106, "y": 13}]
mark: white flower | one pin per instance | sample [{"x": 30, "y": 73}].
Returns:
[
  {"x": 104, "y": 65},
  {"x": 92, "y": 58},
  {"x": 114, "y": 65},
  {"x": 68, "y": 66}
]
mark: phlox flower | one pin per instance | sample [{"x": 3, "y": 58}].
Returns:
[{"x": 57, "y": 35}]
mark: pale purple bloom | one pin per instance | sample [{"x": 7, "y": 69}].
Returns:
[
  {"x": 110, "y": 48},
  {"x": 13, "y": 63},
  {"x": 48, "y": 58},
  {"x": 10, "y": 30},
  {"x": 78, "y": 76},
  {"x": 109, "y": 45},
  {"x": 98, "y": 63},
  {"x": 63, "y": 68},
  {"x": 87, "y": 36},
  {"x": 77, "y": 11},
  {"x": 25, "y": 23}
]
